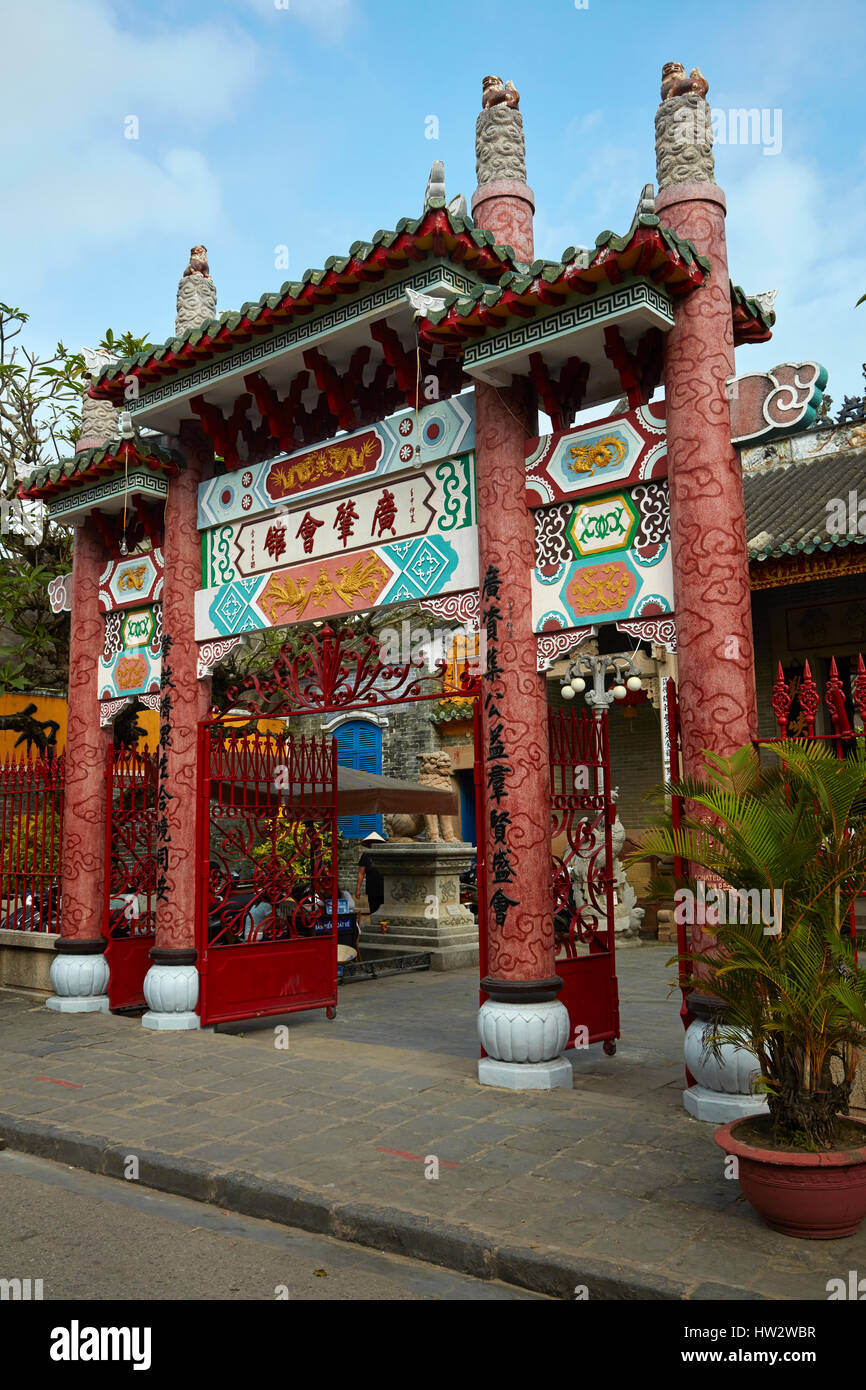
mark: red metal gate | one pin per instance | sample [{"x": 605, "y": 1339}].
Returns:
[
  {"x": 31, "y": 825},
  {"x": 583, "y": 812},
  {"x": 267, "y": 873},
  {"x": 130, "y": 890}
]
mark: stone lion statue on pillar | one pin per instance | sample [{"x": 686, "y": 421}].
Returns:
[{"x": 435, "y": 770}]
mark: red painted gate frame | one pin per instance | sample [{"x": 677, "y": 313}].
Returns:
[
  {"x": 133, "y": 827},
  {"x": 281, "y": 976},
  {"x": 334, "y": 671}
]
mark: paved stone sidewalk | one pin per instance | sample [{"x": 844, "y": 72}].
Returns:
[{"x": 611, "y": 1184}]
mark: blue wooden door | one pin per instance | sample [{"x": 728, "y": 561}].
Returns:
[{"x": 359, "y": 745}]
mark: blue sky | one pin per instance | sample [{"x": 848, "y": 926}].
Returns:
[{"x": 304, "y": 127}]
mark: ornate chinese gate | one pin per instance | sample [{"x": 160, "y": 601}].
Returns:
[
  {"x": 583, "y": 812},
  {"x": 130, "y": 890},
  {"x": 267, "y": 891}
]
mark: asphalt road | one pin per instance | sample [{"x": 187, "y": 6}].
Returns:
[{"x": 93, "y": 1238}]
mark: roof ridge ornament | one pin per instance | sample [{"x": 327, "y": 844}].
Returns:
[
  {"x": 196, "y": 294},
  {"x": 98, "y": 418},
  {"x": 435, "y": 183},
  {"x": 684, "y": 129},
  {"x": 500, "y": 147}
]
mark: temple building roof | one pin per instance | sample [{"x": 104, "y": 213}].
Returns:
[{"x": 798, "y": 506}]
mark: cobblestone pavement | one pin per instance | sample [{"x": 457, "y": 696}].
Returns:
[{"x": 612, "y": 1177}]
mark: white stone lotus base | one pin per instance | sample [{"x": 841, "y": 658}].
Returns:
[
  {"x": 172, "y": 993},
  {"x": 524, "y": 1045},
  {"x": 526, "y": 1076},
  {"x": 80, "y": 983},
  {"x": 83, "y": 1004},
  {"x": 724, "y": 1084},
  {"x": 719, "y": 1107}
]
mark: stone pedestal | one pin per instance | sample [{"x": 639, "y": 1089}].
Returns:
[
  {"x": 723, "y": 1089},
  {"x": 422, "y": 908}
]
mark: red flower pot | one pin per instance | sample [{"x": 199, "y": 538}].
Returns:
[{"x": 817, "y": 1196}]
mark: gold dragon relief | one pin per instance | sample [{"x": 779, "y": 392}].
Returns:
[
  {"x": 600, "y": 589},
  {"x": 132, "y": 579},
  {"x": 587, "y": 458},
  {"x": 322, "y": 466}
]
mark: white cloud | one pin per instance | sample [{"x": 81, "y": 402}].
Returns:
[
  {"x": 329, "y": 20},
  {"x": 782, "y": 235},
  {"x": 73, "y": 181}
]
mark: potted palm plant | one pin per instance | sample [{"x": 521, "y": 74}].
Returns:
[{"x": 788, "y": 842}]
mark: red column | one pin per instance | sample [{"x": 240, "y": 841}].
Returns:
[
  {"x": 522, "y": 1027},
  {"x": 712, "y": 597},
  {"x": 514, "y": 704},
  {"x": 79, "y": 971},
  {"x": 171, "y": 984},
  {"x": 83, "y": 871}
]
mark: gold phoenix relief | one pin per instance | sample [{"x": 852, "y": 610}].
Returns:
[{"x": 365, "y": 578}]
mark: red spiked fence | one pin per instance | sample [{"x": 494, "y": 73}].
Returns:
[
  {"x": 843, "y": 706},
  {"x": 31, "y": 828}
]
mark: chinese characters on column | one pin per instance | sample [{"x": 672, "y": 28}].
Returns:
[
  {"x": 163, "y": 834},
  {"x": 498, "y": 767}
]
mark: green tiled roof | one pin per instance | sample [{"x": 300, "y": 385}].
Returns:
[{"x": 86, "y": 466}]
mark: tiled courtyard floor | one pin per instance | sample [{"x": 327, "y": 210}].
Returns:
[{"x": 611, "y": 1178}]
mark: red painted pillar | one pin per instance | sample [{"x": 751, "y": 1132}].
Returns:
[
  {"x": 712, "y": 597},
  {"x": 79, "y": 972},
  {"x": 522, "y": 1026},
  {"x": 171, "y": 985}
]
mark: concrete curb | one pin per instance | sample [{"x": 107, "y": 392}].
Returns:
[{"x": 389, "y": 1229}]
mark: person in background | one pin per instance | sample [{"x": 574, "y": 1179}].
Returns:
[{"x": 369, "y": 877}]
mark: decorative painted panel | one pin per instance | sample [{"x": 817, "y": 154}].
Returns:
[
  {"x": 420, "y": 567},
  {"x": 131, "y": 582},
  {"x": 598, "y": 457},
  {"x": 603, "y": 559},
  {"x": 440, "y": 499},
  {"x": 444, "y": 428},
  {"x": 131, "y": 660}
]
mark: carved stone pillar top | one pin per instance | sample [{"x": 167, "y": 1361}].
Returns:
[
  {"x": 500, "y": 147},
  {"x": 196, "y": 294},
  {"x": 684, "y": 135}
]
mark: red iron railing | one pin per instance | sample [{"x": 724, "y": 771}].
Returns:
[
  {"x": 583, "y": 812},
  {"x": 843, "y": 706},
  {"x": 31, "y": 829}
]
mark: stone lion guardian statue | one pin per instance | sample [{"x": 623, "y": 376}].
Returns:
[{"x": 435, "y": 770}]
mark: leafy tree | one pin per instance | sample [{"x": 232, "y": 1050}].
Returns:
[{"x": 40, "y": 421}]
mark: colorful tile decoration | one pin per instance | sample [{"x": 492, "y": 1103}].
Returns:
[
  {"x": 603, "y": 538},
  {"x": 131, "y": 582},
  {"x": 599, "y": 457},
  {"x": 131, "y": 660},
  {"x": 361, "y": 522},
  {"x": 443, "y": 428}
]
